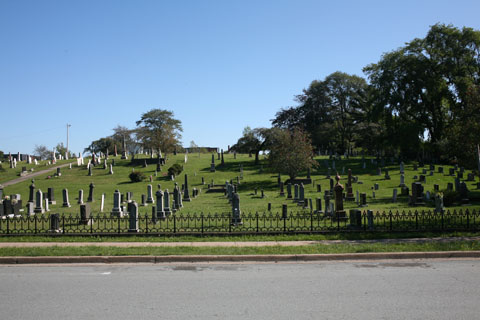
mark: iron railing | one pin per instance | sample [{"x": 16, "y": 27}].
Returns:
[{"x": 251, "y": 223}]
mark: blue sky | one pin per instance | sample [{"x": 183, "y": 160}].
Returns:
[{"x": 218, "y": 65}]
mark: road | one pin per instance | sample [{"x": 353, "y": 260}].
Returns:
[
  {"x": 400, "y": 289},
  {"x": 32, "y": 175}
]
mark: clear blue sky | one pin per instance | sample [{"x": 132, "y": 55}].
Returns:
[{"x": 218, "y": 65}]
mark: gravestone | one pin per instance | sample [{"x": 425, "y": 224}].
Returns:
[
  {"x": 402, "y": 168},
  {"x": 117, "y": 210},
  {"x": 394, "y": 197},
  {"x": 54, "y": 222},
  {"x": 85, "y": 213},
  {"x": 66, "y": 202},
  {"x": 370, "y": 220},
  {"x": 436, "y": 187},
  {"x": 186, "y": 196},
  {"x": 301, "y": 190},
  {"x": 51, "y": 196},
  {"x": 284, "y": 212},
  {"x": 212, "y": 165},
  {"x": 289, "y": 191},
  {"x": 376, "y": 186},
  {"x": 439, "y": 203},
  {"x": 402, "y": 180},
  {"x": 133, "y": 217},
  {"x": 318, "y": 206},
  {"x": 355, "y": 218},
  {"x": 387, "y": 176},
  {"x": 166, "y": 202},
  {"x": 340, "y": 214},
  {"x": 150, "y": 194},
  {"x": 102, "y": 202},
  {"x": 451, "y": 171},
  {"x": 31, "y": 195},
  {"x": 470, "y": 177},
  {"x": 282, "y": 192},
  {"x": 236, "y": 214},
  {"x": 464, "y": 193},
  {"x": 363, "y": 199},
  {"x": 423, "y": 179},
  {"x": 38, "y": 202},
  {"x": 80, "y": 196},
  {"x": 319, "y": 188},
  {"x": 296, "y": 193},
  {"x": 90, "y": 170},
  {"x": 47, "y": 208},
  {"x": 350, "y": 196},
  {"x": 30, "y": 209},
  {"x": 160, "y": 212},
  {"x": 90, "y": 192},
  {"x": 417, "y": 194},
  {"x": 440, "y": 169}
]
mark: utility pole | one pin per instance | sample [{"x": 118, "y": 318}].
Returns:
[{"x": 66, "y": 154}]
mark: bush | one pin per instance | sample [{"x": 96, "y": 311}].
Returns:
[
  {"x": 175, "y": 170},
  {"x": 449, "y": 197},
  {"x": 136, "y": 176}
]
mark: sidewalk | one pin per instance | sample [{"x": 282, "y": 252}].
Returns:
[{"x": 230, "y": 244}]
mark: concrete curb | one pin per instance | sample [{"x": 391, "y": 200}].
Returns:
[{"x": 240, "y": 258}]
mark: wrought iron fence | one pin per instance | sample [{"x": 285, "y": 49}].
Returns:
[{"x": 251, "y": 223}]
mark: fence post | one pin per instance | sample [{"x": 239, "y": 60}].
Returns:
[
  {"x": 174, "y": 224},
  {"x": 416, "y": 220},
  {"x": 201, "y": 216},
  {"x": 63, "y": 223},
  {"x": 8, "y": 225},
  {"x": 284, "y": 225},
  {"x": 311, "y": 221},
  {"x": 468, "y": 220},
  {"x": 230, "y": 219},
  {"x": 146, "y": 222},
  {"x": 91, "y": 223},
  {"x": 338, "y": 223},
  {"x": 118, "y": 224},
  {"x": 391, "y": 227},
  {"x": 442, "y": 220},
  {"x": 256, "y": 216},
  {"x": 35, "y": 219},
  {"x": 364, "y": 221}
]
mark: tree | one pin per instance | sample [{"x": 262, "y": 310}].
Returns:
[
  {"x": 102, "y": 145},
  {"x": 253, "y": 141},
  {"x": 328, "y": 111},
  {"x": 291, "y": 152},
  {"x": 121, "y": 134},
  {"x": 42, "y": 152},
  {"x": 159, "y": 130},
  {"x": 424, "y": 85}
]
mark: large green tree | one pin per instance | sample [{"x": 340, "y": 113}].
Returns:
[
  {"x": 291, "y": 152},
  {"x": 253, "y": 141},
  {"x": 159, "y": 130},
  {"x": 423, "y": 86}
]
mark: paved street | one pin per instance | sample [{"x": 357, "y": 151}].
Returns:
[{"x": 400, "y": 289}]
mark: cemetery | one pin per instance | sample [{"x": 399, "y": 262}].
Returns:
[{"x": 226, "y": 192}]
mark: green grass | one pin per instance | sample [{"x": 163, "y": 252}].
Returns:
[
  {"x": 312, "y": 249},
  {"x": 198, "y": 166},
  {"x": 281, "y": 237}
]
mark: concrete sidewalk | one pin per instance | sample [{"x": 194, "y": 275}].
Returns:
[{"x": 231, "y": 244}]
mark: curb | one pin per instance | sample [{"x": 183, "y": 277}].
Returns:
[{"x": 240, "y": 258}]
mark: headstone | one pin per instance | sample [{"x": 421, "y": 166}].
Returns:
[
  {"x": 296, "y": 198},
  {"x": 402, "y": 180},
  {"x": 236, "y": 214},
  {"x": 212, "y": 165},
  {"x": 387, "y": 176},
  {"x": 289, "y": 191},
  {"x": 340, "y": 214},
  {"x": 423, "y": 178},
  {"x": 150, "y": 194},
  {"x": 402, "y": 168},
  {"x": 55, "y": 222},
  {"x": 166, "y": 202},
  {"x": 440, "y": 169},
  {"x": 47, "y": 208},
  {"x": 470, "y": 177},
  {"x": 132, "y": 217},
  {"x": 85, "y": 213},
  {"x": 38, "y": 202},
  {"x": 376, "y": 186},
  {"x": 370, "y": 219},
  {"x": 464, "y": 193},
  {"x": 436, "y": 187},
  {"x": 363, "y": 199},
  {"x": 117, "y": 210},
  {"x": 30, "y": 209},
  {"x": 66, "y": 202},
  {"x": 394, "y": 197},
  {"x": 31, "y": 195},
  {"x": 90, "y": 170},
  {"x": 90, "y": 192},
  {"x": 350, "y": 196},
  {"x": 318, "y": 202},
  {"x": 186, "y": 196},
  {"x": 284, "y": 212},
  {"x": 282, "y": 192},
  {"x": 159, "y": 207},
  {"x": 102, "y": 202},
  {"x": 111, "y": 169},
  {"x": 51, "y": 196},
  {"x": 451, "y": 171},
  {"x": 417, "y": 194}
]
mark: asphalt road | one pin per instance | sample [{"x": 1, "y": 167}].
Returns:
[{"x": 420, "y": 289}]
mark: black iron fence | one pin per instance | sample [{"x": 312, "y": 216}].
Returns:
[{"x": 224, "y": 223}]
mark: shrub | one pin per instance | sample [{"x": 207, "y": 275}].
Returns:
[
  {"x": 136, "y": 176},
  {"x": 175, "y": 170}
]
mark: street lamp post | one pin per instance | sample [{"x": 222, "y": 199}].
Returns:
[{"x": 66, "y": 153}]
